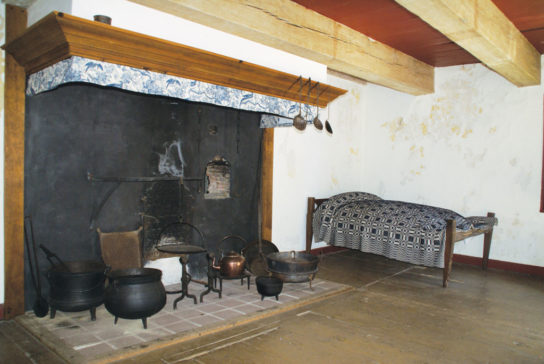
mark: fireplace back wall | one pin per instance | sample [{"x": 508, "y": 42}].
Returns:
[{"x": 79, "y": 129}]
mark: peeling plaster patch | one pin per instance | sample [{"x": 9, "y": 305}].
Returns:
[
  {"x": 442, "y": 119},
  {"x": 418, "y": 171},
  {"x": 394, "y": 126},
  {"x": 456, "y": 129},
  {"x": 354, "y": 151},
  {"x": 493, "y": 130},
  {"x": 356, "y": 94},
  {"x": 424, "y": 129},
  {"x": 440, "y": 112}
]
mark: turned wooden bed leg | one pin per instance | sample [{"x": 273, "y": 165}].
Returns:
[
  {"x": 448, "y": 251},
  {"x": 487, "y": 244},
  {"x": 309, "y": 221}
]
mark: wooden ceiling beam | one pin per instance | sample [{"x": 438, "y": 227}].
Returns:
[
  {"x": 288, "y": 26},
  {"x": 483, "y": 30}
]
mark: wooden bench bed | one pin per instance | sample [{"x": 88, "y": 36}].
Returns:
[{"x": 452, "y": 235}]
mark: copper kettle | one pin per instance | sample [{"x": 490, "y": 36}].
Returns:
[{"x": 232, "y": 264}]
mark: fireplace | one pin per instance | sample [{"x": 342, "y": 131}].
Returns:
[
  {"x": 99, "y": 157},
  {"x": 60, "y": 39}
]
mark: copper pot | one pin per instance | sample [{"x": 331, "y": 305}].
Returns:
[{"x": 232, "y": 264}]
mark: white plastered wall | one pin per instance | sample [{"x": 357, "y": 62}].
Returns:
[
  {"x": 316, "y": 164},
  {"x": 473, "y": 146}
]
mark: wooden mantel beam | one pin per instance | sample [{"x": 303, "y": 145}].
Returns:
[
  {"x": 483, "y": 30},
  {"x": 288, "y": 26},
  {"x": 59, "y": 36}
]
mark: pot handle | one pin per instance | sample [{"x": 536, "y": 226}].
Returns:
[{"x": 50, "y": 255}]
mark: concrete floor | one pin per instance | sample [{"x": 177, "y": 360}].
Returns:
[{"x": 397, "y": 313}]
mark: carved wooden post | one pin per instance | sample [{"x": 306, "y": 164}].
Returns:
[
  {"x": 267, "y": 176},
  {"x": 14, "y": 149}
]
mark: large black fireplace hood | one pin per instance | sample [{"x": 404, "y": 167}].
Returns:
[{"x": 99, "y": 157}]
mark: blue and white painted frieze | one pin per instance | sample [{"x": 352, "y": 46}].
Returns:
[{"x": 276, "y": 111}]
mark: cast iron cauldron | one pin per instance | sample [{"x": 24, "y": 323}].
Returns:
[
  {"x": 269, "y": 286},
  {"x": 76, "y": 286},
  {"x": 135, "y": 293},
  {"x": 292, "y": 266}
]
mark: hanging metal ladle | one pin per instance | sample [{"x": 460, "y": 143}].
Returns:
[
  {"x": 317, "y": 123},
  {"x": 328, "y": 127},
  {"x": 298, "y": 121}
]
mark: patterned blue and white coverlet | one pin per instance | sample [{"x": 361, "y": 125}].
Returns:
[
  {"x": 275, "y": 111},
  {"x": 399, "y": 230}
]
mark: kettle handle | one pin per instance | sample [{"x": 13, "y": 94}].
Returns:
[{"x": 231, "y": 236}]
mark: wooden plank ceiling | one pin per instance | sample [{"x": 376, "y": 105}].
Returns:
[
  {"x": 482, "y": 29},
  {"x": 390, "y": 23}
]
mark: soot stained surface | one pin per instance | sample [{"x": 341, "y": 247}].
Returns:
[{"x": 79, "y": 128}]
